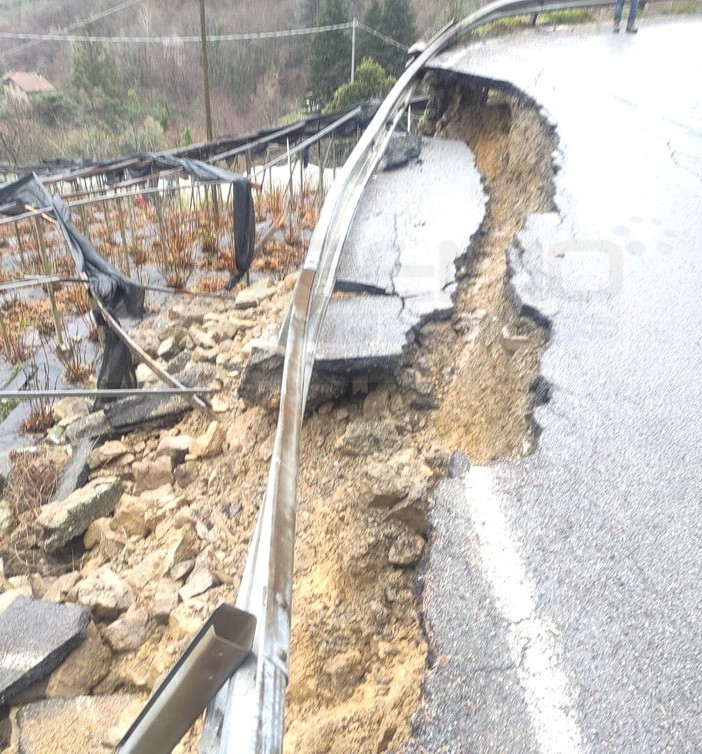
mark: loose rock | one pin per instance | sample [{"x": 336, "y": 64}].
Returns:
[
  {"x": 166, "y": 600},
  {"x": 176, "y": 448},
  {"x": 107, "y": 452},
  {"x": 105, "y": 593},
  {"x": 209, "y": 443},
  {"x": 129, "y": 631},
  {"x": 83, "y": 669},
  {"x": 65, "y": 519},
  {"x": 148, "y": 475},
  {"x": 406, "y": 550}
]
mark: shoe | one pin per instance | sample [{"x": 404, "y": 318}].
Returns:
[
  {"x": 631, "y": 29},
  {"x": 616, "y": 27}
]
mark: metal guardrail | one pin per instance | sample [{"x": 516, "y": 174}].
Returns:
[{"x": 247, "y": 715}]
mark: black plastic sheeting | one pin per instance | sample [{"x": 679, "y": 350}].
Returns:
[
  {"x": 121, "y": 296},
  {"x": 253, "y": 144}
]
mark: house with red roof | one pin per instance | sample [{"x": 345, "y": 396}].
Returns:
[{"x": 20, "y": 86}]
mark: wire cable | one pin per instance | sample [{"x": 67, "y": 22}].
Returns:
[
  {"x": 174, "y": 39},
  {"x": 75, "y": 25}
]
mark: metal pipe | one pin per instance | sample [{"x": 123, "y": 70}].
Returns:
[
  {"x": 353, "y": 50},
  {"x": 218, "y": 648},
  {"x": 102, "y": 393}
]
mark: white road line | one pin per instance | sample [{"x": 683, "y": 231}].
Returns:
[{"x": 533, "y": 644}]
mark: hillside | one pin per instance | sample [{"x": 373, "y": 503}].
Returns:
[{"x": 253, "y": 82}]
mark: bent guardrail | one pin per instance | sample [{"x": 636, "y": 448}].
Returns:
[{"x": 247, "y": 715}]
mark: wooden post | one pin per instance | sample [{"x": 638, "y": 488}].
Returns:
[
  {"x": 5, "y": 337},
  {"x": 159, "y": 213},
  {"x": 49, "y": 287},
  {"x": 123, "y": 234}
]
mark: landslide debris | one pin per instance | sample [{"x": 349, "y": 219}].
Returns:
[{"x": 152, "y": 564}]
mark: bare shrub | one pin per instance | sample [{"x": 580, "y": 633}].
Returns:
[
  {"x": 176, "y": 255},
  {"x": 40, "y": 416}
]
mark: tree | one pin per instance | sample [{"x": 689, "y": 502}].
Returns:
[
  {"x": 398, "y": 24},
  {"x": 54, "y": 108},
  {"x": 371, "y": 82},
  {"x": 330, "y": 61},
  {"x": 95, "y": 79},
  {"x": 369, "y": 46}
]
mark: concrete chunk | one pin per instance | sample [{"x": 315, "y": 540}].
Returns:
[
  {"x": 35, "y": 636},
  {"x": 65, "y": 519}
]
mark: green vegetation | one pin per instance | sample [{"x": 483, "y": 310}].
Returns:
[
  {"x": 330, "y": 61},
  {"x": 371, "y": 82}
]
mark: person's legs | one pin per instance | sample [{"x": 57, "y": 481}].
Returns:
[
  {"x": 618, "y": 8},
  {"x": 633, "y": 10}
]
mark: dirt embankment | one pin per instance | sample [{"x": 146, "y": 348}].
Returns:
[
  {"x": 358, "y": 651},
  {"x": 368, "y": 464}
]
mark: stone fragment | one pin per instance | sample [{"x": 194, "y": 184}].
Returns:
[
  {"x": 59, "y": 590},
  {"x": 201, "y": 355},
  {"x": 365, "y": 437},
  {"x": 105, "y": 593},
  {"x": 83, "y": 669},
  {"x": 166, "y": 600},
  {"x": 185, "y": 620},
  {"x": 167, "y": 349},
  {"x": 129, "y": 631},
  {"x": 147, "y": 571},
  {"x": 209, "y": 443},
  {"x": 412, "y": 513},
  {"x": 386, "y": 484},
  {"x": 248, "y": 429},
  {"x": 92, "y": 426},
  {"x": 458, "y": 465},
  {"x": 107, "y": 452},
  {"x": 406, "y": 550},
  {"x": 182, "y": 569},
  {"x": 76, "y": 471},
  {"x": 130, "y": 517},
  {"x": 415, "y": 380},
  {"x": 197, "y": 584},
  {"x": 67, "y": 410},
  {"x": 376, "y": 405},
  {"x": 185, "y": 545},
  {"x": 202, "y": 339},
  {"x": 35, "y": 635},
  {"x": 63, "y": 520},
  {"x": 145, "y": 375},
  {"x": 176, "y": 448},
  {"x": 127, "y": 716},
  {"x": 148, "y": 475},
  {"x": 254, "y": 294},
  {"x": 96, "y": 532}
]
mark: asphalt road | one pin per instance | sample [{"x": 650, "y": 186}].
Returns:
[{"x": 565, "y": 591}]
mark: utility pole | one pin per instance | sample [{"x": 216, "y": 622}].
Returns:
[
  {"x": 205, "y": 71},
  {"x": 353, "y": 49}
]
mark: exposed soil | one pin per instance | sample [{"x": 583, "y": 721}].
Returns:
[{"x": 359, "y": 654}]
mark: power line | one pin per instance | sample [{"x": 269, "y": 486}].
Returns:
[
  {"x": 382, "y": 37},
  {"x": 75, "y": 25},
  {"x": 177, "y": 40}
]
